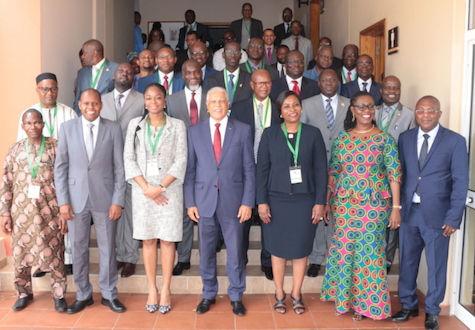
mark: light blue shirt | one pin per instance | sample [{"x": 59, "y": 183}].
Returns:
[{"x": 138, "y": 45}]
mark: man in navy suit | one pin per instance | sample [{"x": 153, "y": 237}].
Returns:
[
  {"x": 434, "y": 163},
  {"x": 202, "y": 31},
  {"x": 165, "y": 75},
  {"x": 200, "y": 53},
  {"x": 97, "y": 71},
  {"x": 282, "y": 30},
  {"x": 220, "y": 191},
  {"x": 364, "y": 69},
  {"x": 247, "y": 27}
]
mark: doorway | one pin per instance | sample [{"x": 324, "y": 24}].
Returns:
[{"x": 372, "y": 43}]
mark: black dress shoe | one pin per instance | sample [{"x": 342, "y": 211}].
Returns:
[
  {"x": 219, "y": 247},
  {"x": 313, "y": 270},
  {"x": 405, "y": 314},
  {"x": 79, "y": 305},
  {"x": 204, "y": 305},
  {"x": 21, "y": 303},
  {"x": 38, "y": 273},
  {"x": 69, "y": 269},
  {"x": 388, "y": 269},
  {"x": 268, "y": 272},
  {"x": 115, "y": 305},
  {"x": 180, "y": 266},
  {"x": 238, "y": 308},
  {"x": 128, "y": 270},
  {"x": 60, "y": 305},
  {"x": 432, "y": 322},
  {"x": 120, "y": 264}
]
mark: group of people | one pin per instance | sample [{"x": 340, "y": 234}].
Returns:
[{"x": 327, "y": 160}]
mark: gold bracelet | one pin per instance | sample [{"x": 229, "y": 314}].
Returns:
[{"x": 397, "y": 207}]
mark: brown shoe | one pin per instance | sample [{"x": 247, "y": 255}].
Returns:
[
  {"x": 128, "y": 270},
  {"x": 120, "y": 264}
]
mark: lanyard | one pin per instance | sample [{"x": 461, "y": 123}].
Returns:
[
  {"x": 257, "y": 112},
  {"x": 248, "y": 27},
  {"x": 34, "y": 170},
  {"x": 295, "y": 151},
  {"x": 50, "y": 128},
  {"x": 169, "y": 84},
  {"x": 192, "y": 28},
  {"x": 94, "y": 81},
  {"x": 389, "y": 121},
  {"x": 249, "y": 68},
  {"x": 154, "y": 145},
  {"x": 231, "y": 95},
  {"x": 344, "y": 77}
]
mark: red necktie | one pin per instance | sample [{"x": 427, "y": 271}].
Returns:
[
  {"x": 349, "y": 76},
  {"x": 269, "y": 54},
  {"x": 165, "y": 83},
  {"x": 217, "y": 143},
  {"x": 297, "y": 43},
  {"x": 296, "y": 88},
  {"x": 193, "y": 110}
]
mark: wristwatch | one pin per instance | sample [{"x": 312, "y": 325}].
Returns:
[{"x": 163, "y": 188}]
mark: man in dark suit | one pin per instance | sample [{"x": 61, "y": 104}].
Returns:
[
  {"x": 199, "y": 52},
  {"x": 90, "y": 183},
  {"x": 282, "y": 30},
  {"x": 336, "y": 63},
  {"x": 255, "y": 53},
  {"x": 259, "y": 112},
  {"x": 220, "y": 191},
  {"x": 269, "y": 48},
  {"x": 348, "y": 71},
  {"x": 183, "y": 55},
  {"x": 202, "y": 31},
  {"x": 232, "y": 78},
  {"x": 189, "y": 105},
  {"x": 165, "y": 75},
  {"x": 434, "y": 162},
  {"x": 293, "y": 80},
  {"x": 281, "y": 54},
  {"x": 247, "y": 27},
  {"x": 364, "y": 68},
  {"x": 97, "y": 72}
]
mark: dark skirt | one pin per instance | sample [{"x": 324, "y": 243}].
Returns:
[{"x": 290, "y": 233}]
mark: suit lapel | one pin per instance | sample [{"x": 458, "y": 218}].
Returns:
[
  {"x": 227, "y": 139},
  {"x": 104, "y": 75},
  {"x": 100, "y": 136},
  {"x": 165, "y": 133},
  {"x": 203, "y": 107},
  {"x": 81, "y": 138},
  {"x": 438, "y": 138},
  {"x": 184, "y": 106},
  {"x": 208, "y": 142},
  {"x": 128, "y": 102},
  {"x": 342, "y": 108}
]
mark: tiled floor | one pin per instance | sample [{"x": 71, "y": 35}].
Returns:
[{"x": 319, "y": 315}]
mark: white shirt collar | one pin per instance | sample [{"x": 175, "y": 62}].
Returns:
[
  {"x": 95, "y": 122},
  {"x": 98, "y": 65},
  {"x": 126, "y": 93},
  {"x": 290, "y": 83},
  {"x": 432, "y": 133},
  {"x": 361, "y": 81}
]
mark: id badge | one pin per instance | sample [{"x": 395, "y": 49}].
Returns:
[
  {"x": 33, "y": 191},
  {"x": 295, "y": 174},
  {"x": 152, "y": 167}
]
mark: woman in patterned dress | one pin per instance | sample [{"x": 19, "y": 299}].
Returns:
[
  {"x": 364, "y": 199},
  {"x": 30, "y": 212}
]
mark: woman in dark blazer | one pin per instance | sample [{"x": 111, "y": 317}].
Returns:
[{"x": 291, "y": 194}]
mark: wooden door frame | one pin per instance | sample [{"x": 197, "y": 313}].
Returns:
[
  {"x": 314, "y": 35},
  {"x": 368, "y": 37}
]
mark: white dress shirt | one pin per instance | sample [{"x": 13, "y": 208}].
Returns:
[
  {"x": 170, "y": 82},
  {"x": 236, "y": 75},
  {"x": 420, "y": 140},
  {"x": 124, "y": 98},
  {"x": 95, "y": 69},
  {"x": 218, "y": 60},
  {"x": 280, "y": 67},
  {"x": 197, "y": 99},
  {"x": 222, "y": 128},
  {"x": 266, "y": 120},
  {"x": 291, "y": 84},
  {"x": 353, "y": 74},
  {"x": 95, "y": 129},
  {"x": 361, "y": 81},
  {"x": 333, "y": 103}
]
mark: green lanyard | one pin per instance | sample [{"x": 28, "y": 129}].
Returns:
[
  {"x": 249, "y": 68},
  {"x": 34, "y": 170},
  {"x": 231, "y": 95},
  {"x": 248, "y": 27},
  {"x": 192, "y": 28},
  {"x": 169, "y": 84},
  {"x": 295, "y": 151},
  {"x": 50, "y": 128},
  {"x": 154, "y": 145},
  {"x": 389, "y": 122},
  {"x": 94, "y": 81},
  {"x": 257, "y": 112},
  {"x": 344, "y": 77}
]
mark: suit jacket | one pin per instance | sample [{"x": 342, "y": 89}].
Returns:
[
  {"x": 132, "y": 108},
  {"x": 314, "y": 113},
  {"x": 178, "y": 82},
  {"x": 349, "y": 89},
  {"x": 243, "y": 111},
  {"x": 337, "y": 64},
  {"x": 305, "y": 47},
  {"x": 102, "y": 180},
  {"x": 208, "y": 72},
  {"x": 402, "y": 121},
  {"x": 309, "y": 88},
  {"x": 273, "y": 57},
  {"x": 202, "y": 32},
  {"x": 243, "y": 89},
  {"x": 105, "y": 85},
  {"x": 177, "y": 107},
  {"x": 281, "y": 33},
  {"x": 256, "y": 29},
  {"x": 182, "y": 57},
  {"x": 273, "y": 72},
  {"x": 235, "y": 171},
  {"x": 274, "y": 159},
  {"x": 443, "y": 179}
]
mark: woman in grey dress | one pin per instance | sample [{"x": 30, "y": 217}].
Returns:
[{"x": 155, "y": 156}]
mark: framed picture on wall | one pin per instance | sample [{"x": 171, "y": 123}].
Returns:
[{"x": 171, "y": 31}]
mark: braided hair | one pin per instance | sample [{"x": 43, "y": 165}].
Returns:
[{"x": 349, "y": 124}]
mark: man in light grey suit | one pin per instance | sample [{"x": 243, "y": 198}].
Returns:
[
  {"x": 326, "y": 111},
  {"x": 90, "y": 182},
  {"x": 394, "y": 118},
  {"x": 189, "y": 105},
  {"x": 122, "y": 105}
]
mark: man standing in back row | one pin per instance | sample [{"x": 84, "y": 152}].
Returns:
[{"x": 247, "y": 27}]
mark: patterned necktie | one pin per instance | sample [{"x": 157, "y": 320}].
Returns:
[
  {"x": 349, "y": 77},
  {"x": 165, "y": 83},
  {"x": 386, "y": 112},
  {"x": 423, "y": 156},
  {"x": 193, "y": 109},
  {"x": 269, "y": 54},
  {"x": 90, "y": 142},
  {"x": 329, "y": 111},
  {"x": 297, "y": 43},
  {"x": 364, "y": 87},
  {"x": 257, "y": 123},
  {"x": 296, "y": 88},
  {"x": 217, "y": 143},
  {"x": 118, "y": 105},
  {"x": 231, "y": 87}
]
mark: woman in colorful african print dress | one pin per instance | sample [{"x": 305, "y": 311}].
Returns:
[
  {"x": 30, "y": 212},
  {"x": 364, "y": 197}
]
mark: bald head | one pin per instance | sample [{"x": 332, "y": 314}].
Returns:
[
  {"x": 155, "y": 46},
  {"x": 92, "y": 52},
  {"x": 261, "y": 84},
  {"x": 391, "y": 90}
]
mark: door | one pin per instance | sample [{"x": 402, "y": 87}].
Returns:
[{"x": 372, "y": 43}]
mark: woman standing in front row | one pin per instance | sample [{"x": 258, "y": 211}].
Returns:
[
  {"x": 155, "y": 156},
  {"x": 291, "y": 189},
  {"x": 363, "y": 187}
]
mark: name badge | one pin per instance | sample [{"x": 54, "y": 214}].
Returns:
[
  {"x": 295, "y": 174},
  {"x": 152, "y": 167},
  {"x": 33, "y": 191}
]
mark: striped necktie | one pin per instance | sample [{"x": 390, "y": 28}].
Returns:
[{"x": 329, "y": 111}]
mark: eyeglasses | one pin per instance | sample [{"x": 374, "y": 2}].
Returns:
[
  {"x": 263, "y": 83},
  {"x": 255, "y": 46},
  {"x": 325, "y": 80},
  {"x": 349, "y": 55},
  {"x": 36, "y": 124},
  {"x": 364, "y": 63},
  {"x": 45, "y": 90},
  {"x": 231, "y": 52},
  {"x": 163, "y": 57},
  {"x": 324, "y": 44},
  {"x": 325, "y": 57},
  {"x": 429, "y": 112},
  {"x": 294, "y": 62},
  {"x": 362, "y": 107},
  {"x": 202, "y": 53}
]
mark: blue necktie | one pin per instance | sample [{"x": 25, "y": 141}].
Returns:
[
  {"x": 329, "y": 111},
  {"x": 364, "y": 87},
  {"x": 231, "y": 87}
]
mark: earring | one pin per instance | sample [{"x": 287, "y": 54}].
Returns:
[
  {"x": 353, "y": 119},
  {"x": 280, "y": 116}
]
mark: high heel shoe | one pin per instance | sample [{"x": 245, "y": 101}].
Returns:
[
  {"x": 151, "y": 308},
  {"x": 164, "y": 309}
]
